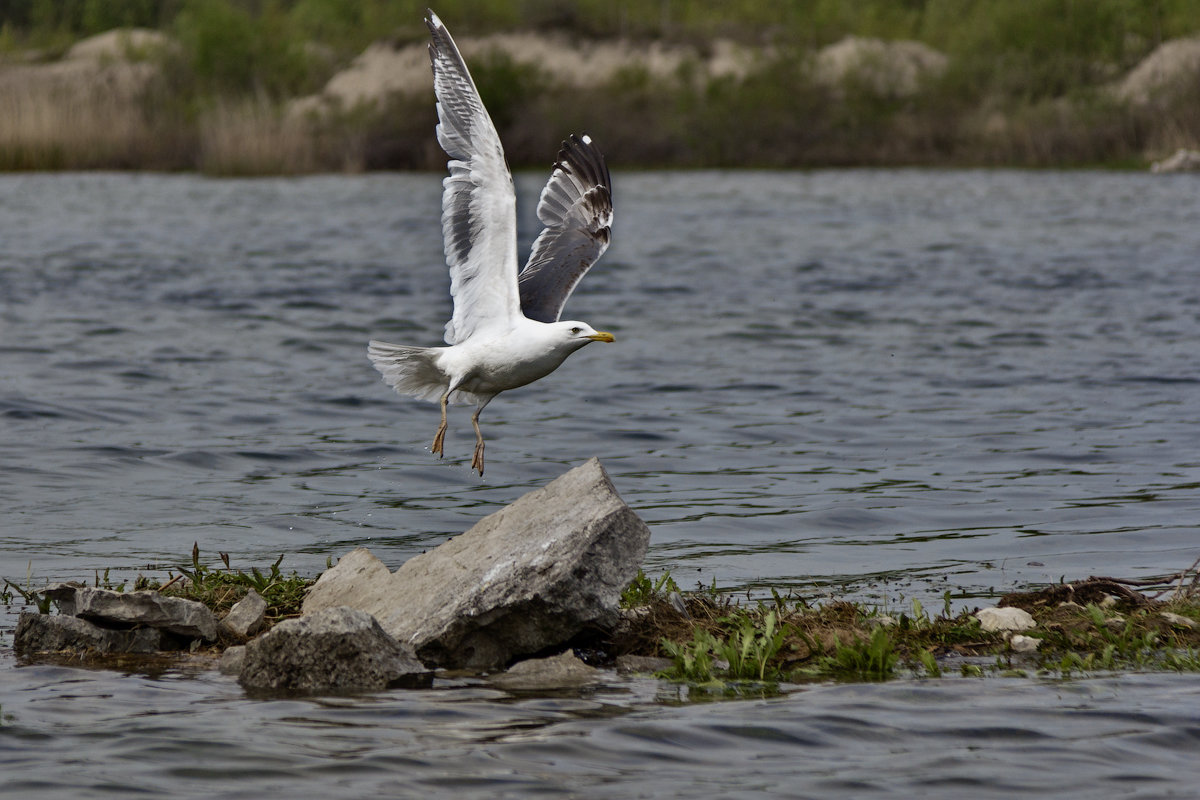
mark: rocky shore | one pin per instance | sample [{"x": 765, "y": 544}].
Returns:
[{"x": 548, "y": 593}]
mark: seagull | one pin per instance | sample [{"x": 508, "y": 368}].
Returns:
[{"x": 505, "y": 330}]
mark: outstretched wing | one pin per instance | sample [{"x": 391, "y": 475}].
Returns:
[
  {"x": 576, "y": 208},
  {"x": 479, "y": 217}
]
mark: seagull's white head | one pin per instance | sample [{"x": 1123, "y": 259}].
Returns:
[{"x": 577, "y": 334}]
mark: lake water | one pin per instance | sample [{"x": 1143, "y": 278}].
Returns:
[{"x": 881, "y": 384}]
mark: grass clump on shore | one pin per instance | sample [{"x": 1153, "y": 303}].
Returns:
[
  {"x": 220, "y": 588},
  {"x": 1091, "y": 626}
]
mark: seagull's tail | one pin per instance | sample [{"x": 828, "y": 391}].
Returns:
[{"x": 409, "y": 370}]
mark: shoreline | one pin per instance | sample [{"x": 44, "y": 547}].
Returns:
[
  {"x": 124, "y": 101},
  {"x": 713, "y": 645}
]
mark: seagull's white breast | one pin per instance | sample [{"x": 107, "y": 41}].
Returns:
[{"x": 494, "y": 361}]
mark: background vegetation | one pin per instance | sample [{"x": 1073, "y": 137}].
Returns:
[{"x": 1026, "y": 83}]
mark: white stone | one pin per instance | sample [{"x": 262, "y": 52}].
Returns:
[
  {"x": 1024, "y": 644},
  {"x": 1005, "y": 619}
]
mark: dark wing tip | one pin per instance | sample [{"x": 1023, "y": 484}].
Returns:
[{"x": 580, "y": 156}]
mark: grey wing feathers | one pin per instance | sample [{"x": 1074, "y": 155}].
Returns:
[
  {"x": 576, "y": 208},
  {"x": 478, "y": 204}
]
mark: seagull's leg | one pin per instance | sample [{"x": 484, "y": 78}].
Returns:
[
  {"x": 439, "y": 438},
  {"x": 477, "y": 459}
]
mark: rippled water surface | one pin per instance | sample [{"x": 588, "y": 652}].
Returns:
[{"x": 891, "y": 384}]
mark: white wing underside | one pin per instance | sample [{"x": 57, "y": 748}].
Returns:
[{"x": 479, "y": 216}]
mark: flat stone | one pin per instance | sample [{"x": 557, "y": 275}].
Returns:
[
  {"x": 642, "y": 664},
  {"x": 1005, "y": 619},
  {"x": 45, "y": 633},
  {"x": 185, "y": 618},
  {"x": 522, "y": 580},
  {"x": 563, "y": 671},
  {"x": 333, "y": 650},
  {"x": 247, "y": 616}
]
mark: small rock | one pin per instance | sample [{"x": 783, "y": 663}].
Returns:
[
  {"x": 1108, "y": 601},
  {"x": 1176, "y": 619},
  {"x": 1024, "y": 644},
  {"x": 247, "y": 616},
  {"x": 1071, "y": 604},
  {"x": 563, "y": 671},
  {"x": 1115, "y": 623},
  {"x": 642, "y": 664},
  {"x": 634, "y": 614},
  {"x": 172, "y": 614},
  {"x": 63, "y": 595},
  {"x": 881, "y": 621},
  {"x": 1004, "y": 619},
  {"x": 43, "y": 633},
  {"x": 334, "y": 650},
  {"x": 232, "y": 660}
]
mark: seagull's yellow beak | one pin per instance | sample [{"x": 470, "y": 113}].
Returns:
[{"x": 602, "y": 336}]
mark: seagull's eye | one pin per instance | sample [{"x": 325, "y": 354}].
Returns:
[{"x": 576, "y": 330}]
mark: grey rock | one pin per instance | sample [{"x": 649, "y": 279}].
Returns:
[
  {"x": 524, "y": 579},
  {"x": 563, "y": 671},
  {"x": 334, "y": 650},
  {"x": 232, "y": 660},
  {"x": 63, "y": 595},
  {"x": 172, "y": 614},
  {"x": 642, "y": 664},
  {"x": 44, "y": 633},
  {"x": 247, "y": 616}
]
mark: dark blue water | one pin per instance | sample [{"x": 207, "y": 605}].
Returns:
[{"x": 892, "y": 384}]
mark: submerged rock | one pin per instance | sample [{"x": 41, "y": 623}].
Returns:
[
  {"x": 633, "y": 664},
  {"x": 563, "y": 671},
  {"x": 43, "y": 633},
  {"x": 147, "y": 608},
  {"x": 522, "y": 580},
  {"x": 334, "y": 650}
]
